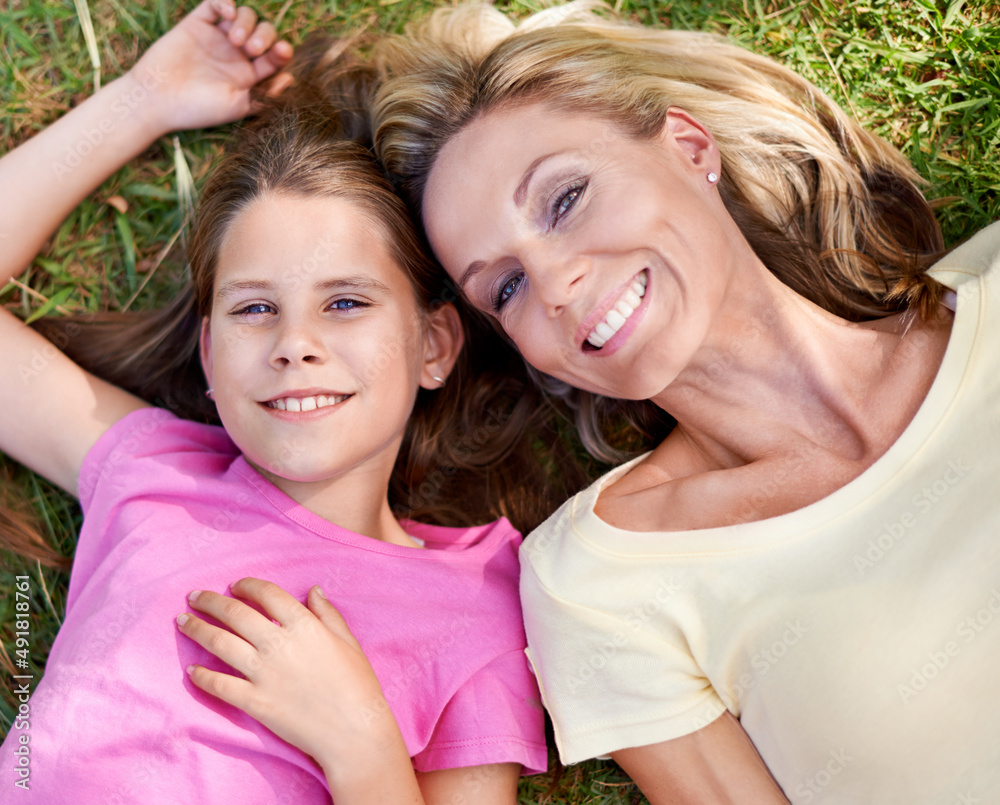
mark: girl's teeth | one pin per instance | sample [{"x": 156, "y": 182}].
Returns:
[
  {"x": 302, "y": 404},
  {"x": 617, "y": 316}
]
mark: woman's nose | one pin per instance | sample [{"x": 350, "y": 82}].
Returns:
[{"x": 557, "y": 280}]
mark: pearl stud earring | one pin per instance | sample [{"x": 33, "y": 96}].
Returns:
[{"x": 713, "y": 177}]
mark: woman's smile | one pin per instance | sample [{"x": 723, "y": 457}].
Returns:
[{"x": 620, "y": 320}]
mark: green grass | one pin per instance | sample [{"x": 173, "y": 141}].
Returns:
[{"x": 923, "y": 74}]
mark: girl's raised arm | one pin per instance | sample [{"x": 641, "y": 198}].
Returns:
[{"x": 199, "y": 74}]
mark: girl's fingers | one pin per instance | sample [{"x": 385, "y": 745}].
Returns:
[
  {"x": 273, "y": 60},
  {"x": 262, "y": 37},
  {"x": 278, "y": 604},
  {"x": 232, "y": 690},
  {"x": 330, "y": 617},
  {"x": 246, "y": 622},
  {"x": 226, "y": 646},
  {"x": 243, "y": 25},
  {"x": 213, "y": 10}
]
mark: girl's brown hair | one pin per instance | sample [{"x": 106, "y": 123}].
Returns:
[
  {"x": 834, "y": 212},
  {"x": 464, "y": 459}
]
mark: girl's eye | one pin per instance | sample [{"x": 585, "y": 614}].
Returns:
[
  {"x": 347, "y": 304},
  {"x": 254, "y": 309},
  {"x": 566, "y": 201},
  {"x": 506, "y": 291}
]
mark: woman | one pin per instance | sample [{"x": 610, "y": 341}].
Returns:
[{"x": 790, "y": 595}]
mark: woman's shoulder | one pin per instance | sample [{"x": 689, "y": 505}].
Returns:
[{"x": 976, "y": 257}]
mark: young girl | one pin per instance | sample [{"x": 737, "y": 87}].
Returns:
[{"x": 327, "y": 348}]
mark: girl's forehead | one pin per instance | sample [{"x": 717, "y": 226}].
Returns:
[{"x": 300, "y": 240}]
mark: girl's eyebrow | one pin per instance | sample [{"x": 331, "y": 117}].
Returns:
[{"x": 359, "y": 283}]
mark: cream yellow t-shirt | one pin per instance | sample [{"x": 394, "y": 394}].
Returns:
[{"x": 857, "y": 639}]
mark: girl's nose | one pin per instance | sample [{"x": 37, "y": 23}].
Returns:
[{"x": 296, "y": 343}]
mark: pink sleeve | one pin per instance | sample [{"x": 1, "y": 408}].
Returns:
[{"x": 495, "y": 717}]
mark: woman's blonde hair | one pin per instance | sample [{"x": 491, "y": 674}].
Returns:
[{"x": 832, "y": 210}]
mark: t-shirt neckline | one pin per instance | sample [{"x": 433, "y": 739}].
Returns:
[
  {"x": 821, "y": 514},
  {"x": 326, "y": 529}
]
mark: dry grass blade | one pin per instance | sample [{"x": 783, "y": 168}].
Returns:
[
  {"x": 87, "y": 26},
  {"x": 186, "y": 193}
]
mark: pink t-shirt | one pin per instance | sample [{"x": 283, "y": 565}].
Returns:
[{"x": 171, "y": 506}]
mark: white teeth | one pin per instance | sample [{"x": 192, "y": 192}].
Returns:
[
  {"x": 301, "y": 404},
  {"x": 604, "y": 331},
  {"x": 614, "y": 319},
  {"x": 618, "y": 315}
]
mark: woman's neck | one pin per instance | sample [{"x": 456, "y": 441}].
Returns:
[{"x": 777, "y": 370}]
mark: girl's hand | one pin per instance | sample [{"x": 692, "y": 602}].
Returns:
[
  {"x": 200, "y": 73},
  {"x": 307, "y": 680}
]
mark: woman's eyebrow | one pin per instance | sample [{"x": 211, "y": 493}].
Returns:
[
  {"x": 521, "y": 191},
  {"x": 474, "y": 268}
]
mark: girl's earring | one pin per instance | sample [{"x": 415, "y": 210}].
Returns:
[
  {"x": 712, "y": 177},
  {"x": 209, "y": 394},
  {"x": 438, "y": 379}
]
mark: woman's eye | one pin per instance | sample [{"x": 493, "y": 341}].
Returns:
[
  {"x": 506, "y": 291},
  {"x": 255, "y": 309},
  {"x": 565, "y": 202}
]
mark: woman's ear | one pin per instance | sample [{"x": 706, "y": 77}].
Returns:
[
  {"x": 685, "y": 133},
  {"x": 443, "y": 340},
  {"x": 205, "y": 345}
]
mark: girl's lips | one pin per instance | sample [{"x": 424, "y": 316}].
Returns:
[{"x": 299, "y": 406}]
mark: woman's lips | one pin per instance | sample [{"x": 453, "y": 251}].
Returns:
[{"x": 619, "y": 313}]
